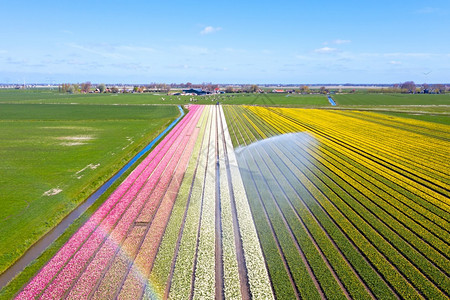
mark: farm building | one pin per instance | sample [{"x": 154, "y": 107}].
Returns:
[{"x": 195, "y": 91}]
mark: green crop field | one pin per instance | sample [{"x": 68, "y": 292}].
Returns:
[
  {"x": 55, "y": 156},
  {"x": 441, "y": 118},
  {"x": 53, "y": 96},
  {"x": 392, "y": 99},
  {"x": 283, "y": 99}
]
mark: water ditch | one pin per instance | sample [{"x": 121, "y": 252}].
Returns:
[
  {"x": 39, "y": 247},
  {"x": 331, "y": 101}
]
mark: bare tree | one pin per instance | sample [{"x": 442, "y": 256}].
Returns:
[
  {"x": 229, "y": 89},
  {"x": 86, "y": 87},
  {"x": 304, "y": 89},
  {"x": 439, "y": 88},
  {"x": 408, "y": 87}
]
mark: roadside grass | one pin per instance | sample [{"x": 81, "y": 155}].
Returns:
[{"x": 55, "y": 156}]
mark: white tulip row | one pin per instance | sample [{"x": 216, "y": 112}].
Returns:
[
  {"x": 195, "y": 265},
  {"x": 204, "y": 284},
  {"x": 230, "y": 264},
  {"x": 184, "y": 266},
  {"x": 258, "y": 277},
  {"x": 162, "y": 265}
]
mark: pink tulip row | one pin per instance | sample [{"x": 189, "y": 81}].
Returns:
[
  {"x": 91, "y": 234},
  {"x": 143, "y": 263},
  {"x": 112, "y": 280},
  {"x": 65, "y": 278},
  {"x": 154, "y": 199}
]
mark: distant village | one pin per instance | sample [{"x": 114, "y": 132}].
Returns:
[{"x": 209, "y": 88}]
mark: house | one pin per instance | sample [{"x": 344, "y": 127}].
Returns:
[{"x": 195, "y": 92}]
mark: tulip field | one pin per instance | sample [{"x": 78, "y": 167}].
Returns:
[
  {"x": 347, "y": 204},
  {"x": 179, "y": 226},
  {"x": 249, "y": 202}
]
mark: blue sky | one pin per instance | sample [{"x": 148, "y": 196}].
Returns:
[{"x": 225, "y": 42}]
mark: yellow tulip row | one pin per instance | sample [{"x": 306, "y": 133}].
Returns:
[
  {"x": 367, "y": 171},
  {"x": 391, "y": 146},
  {"x": 299, "y": 120}
]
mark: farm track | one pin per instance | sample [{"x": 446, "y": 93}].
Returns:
[{"x": 357, "y": 189}]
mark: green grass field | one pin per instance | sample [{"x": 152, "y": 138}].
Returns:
[
  {"x": 429, "y": 117},
  {"x": 392, "y": 99},
  {"x": 55, "y": 156},
  {"x": 52, "y": 96},
  {"x": 293, "y": 100}
]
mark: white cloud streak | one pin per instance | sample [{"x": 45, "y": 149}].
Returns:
[
  {"x": 325, "y": 50},
  {"x": 209, "y": 30},
  {"x": 340, "y": 42},
  {"x": 337, "y": 42},
  {"x": 102, "y": 53}
]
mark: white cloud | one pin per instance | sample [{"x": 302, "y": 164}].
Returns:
[
  {"x": 136, "y": 48},
  {"x": 194, "y": 50},
  {"x": 209, "y": 30},
  {"x": 395, "y": 62},
  {"x": 234, "y": 50},
  {"x": 325, "y": 50},
  {"x": 401, "y": 55},
  {"x": 339, "y": 42}
]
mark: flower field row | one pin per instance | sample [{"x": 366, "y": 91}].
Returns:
[
  {"x": 179, "y": 226},
  {"x": 217, "y": 233},
  {"x": 88, "y": 252},
  {"x": 354, "y": 205}
]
